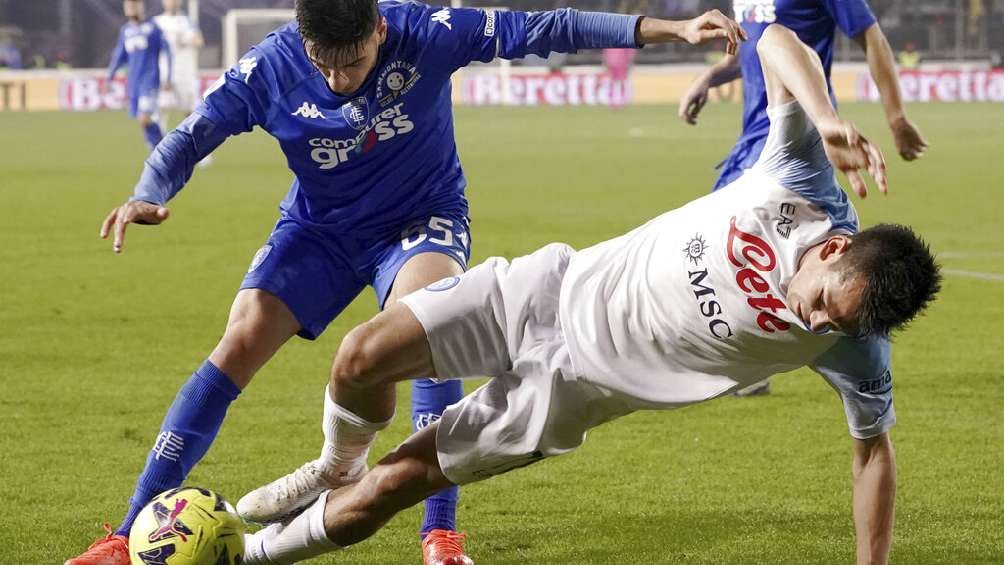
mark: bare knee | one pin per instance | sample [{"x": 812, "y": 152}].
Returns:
[
  {"x": 258, "y": 325},
  {"x": 355, "y": 364},
  {"x": 145, "y": 120}
]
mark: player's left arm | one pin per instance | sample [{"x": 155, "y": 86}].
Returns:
[
  {"x": 910, "y": 143},
  {"x": 874, "y": 498},
  {"x": 483, "y": 35}
]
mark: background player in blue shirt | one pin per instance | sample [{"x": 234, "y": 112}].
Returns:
[
  {"x": 139, "y": 48},
  {"x": 815, "y": 23},
  {"x": 358, "y": 97}
]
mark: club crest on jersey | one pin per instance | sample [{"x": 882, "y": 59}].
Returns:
[
  {"x": 443, "y": 284},
  {"x": 395, "y": 80},
  {"x": 694, "y": 251},
  {"x": 259, "y": 257},
  {"x": 356, "y": 112}
]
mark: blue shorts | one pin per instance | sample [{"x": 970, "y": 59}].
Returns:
[
  {"x": 317, "y": 275},
  {"x": 144, "y": 103},
  {"x": 743, "y": 156}
]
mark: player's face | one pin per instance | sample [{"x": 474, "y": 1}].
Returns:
[
  {"x": 346, "y": 71},
  {"x": 133, "y": 9},
  {"x": 821, "y": 294}
]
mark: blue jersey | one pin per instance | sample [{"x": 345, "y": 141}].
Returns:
[
  {"x": 813, "y": 21},
  {"x": 139, "y": 46},
  {"x": 369, "y": 162}
]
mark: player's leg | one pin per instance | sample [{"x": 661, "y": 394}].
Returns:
[
  {"x": 146, "y": 107},
  {"x": 430, "y": 398},
  {"x": 292, "y": 286}
]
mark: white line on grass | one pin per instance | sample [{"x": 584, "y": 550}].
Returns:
[{"x": 975, "y": 274}]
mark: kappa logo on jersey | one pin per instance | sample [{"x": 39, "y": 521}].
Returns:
[
  {"x": 754, "y": 11},
  {"x": 395, "y": 80},
  {"x": 707, "y": 303},
  {"x": 443, "y": 17},
  {"x": 390, "y": 123},
  {"x": 753, "y": 256},
  {"x": 246, "y": 66},
  {"x": 308, "y": 110},
  {"x": 356, "y": 112}
]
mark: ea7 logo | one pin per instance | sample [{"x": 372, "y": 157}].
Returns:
[
  {"x": 308, "y": 110},
  {"x": 443, "y": 17}
]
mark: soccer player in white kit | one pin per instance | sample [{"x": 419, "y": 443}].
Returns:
[
  {"x": 185, "y": 40},
  {"x": 764, "y": 276}
]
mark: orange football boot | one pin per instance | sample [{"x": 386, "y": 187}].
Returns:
[
  {"x": 444, "y": 547},
  {"x": 112, "y": 549}
]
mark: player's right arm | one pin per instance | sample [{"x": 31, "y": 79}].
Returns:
[
  {"x": 119, "y": 57},
  {"x": 722, "y": 72},
  {"x": 792, "y": 72},
  {"x": 236, "y": 103}
]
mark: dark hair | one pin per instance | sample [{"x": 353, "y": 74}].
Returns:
[
  {"x": 901, "y": 276},
  {"x": 335, "y": 27}
]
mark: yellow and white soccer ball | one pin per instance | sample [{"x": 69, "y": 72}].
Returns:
[{"x": 187, "y": 526}]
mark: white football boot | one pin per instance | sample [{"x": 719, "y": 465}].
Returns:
[{"x": 286, "y": 495}]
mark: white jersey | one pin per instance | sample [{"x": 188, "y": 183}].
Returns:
[
  {"x": 692, "y": 305},
  {"x": 179, "y": 29}
]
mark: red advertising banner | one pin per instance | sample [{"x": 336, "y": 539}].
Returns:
[
  {"x": 941, "y": 85},
  {"x": 84, "y": 93}
]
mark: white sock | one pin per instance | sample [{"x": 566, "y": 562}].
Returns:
[
  {"x": 347, "y": 438},
  {"x": 302, "y": 538}
]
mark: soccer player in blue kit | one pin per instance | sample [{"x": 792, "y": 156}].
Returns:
[
  {"x": 815, "y": 23},
  {"x": 139, "y": 47},
  {"x": 358, "y": 96}
]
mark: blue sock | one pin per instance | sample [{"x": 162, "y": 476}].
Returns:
[
  {"x": 188, "y": 430},
  {"x": 428, "y": 400},
  {"x": 153, "y": 134}
]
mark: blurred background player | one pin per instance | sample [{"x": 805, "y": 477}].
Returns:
[
  {"x": 140, "y": 45},
  {"x": 815, "y": 23},
  {"x": 185, "y": 40}
]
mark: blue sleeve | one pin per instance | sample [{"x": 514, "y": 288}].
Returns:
[
  {"x": 118, "y": 57},
  {"x": 170, "y": 165},
  {"x": 482, "y": 35},
  {"x": 852, "y": 16},
  {"x": 859, "y": 370},
  {"x": 234, "y": 104}
]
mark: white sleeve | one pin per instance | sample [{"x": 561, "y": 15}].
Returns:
[
  {"x": 859, "y": 370},
  {"x": 793, "y": 155}
]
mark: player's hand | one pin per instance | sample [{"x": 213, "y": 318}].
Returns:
[
  {"x": 713, "y": 25},
  {"x": 694, "y": 100},
  {"x": 167, "y": 87},
  {"x": 850, "y": 152},
  {"x": 132, "y": 212},
  {"x": 909, "y": 142}
]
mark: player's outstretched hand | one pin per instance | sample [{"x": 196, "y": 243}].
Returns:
[
  {"x": 713, "y": 25},
  {"x": 909, "y": 141},
  {"x": 694, "y": 100},
  {"x": 851, "y": 152},
  {"x": 132, "y": 212}
]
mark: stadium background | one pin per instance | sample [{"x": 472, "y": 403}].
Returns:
[{"x": 94, "y": 346}]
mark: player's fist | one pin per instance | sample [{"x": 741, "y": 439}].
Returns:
[
  {"x": 132, "y": 212},
  {"x": 850, "y": 152},
  {"x": 713, "y": 25},
  {"x": 909, "y": 142}
]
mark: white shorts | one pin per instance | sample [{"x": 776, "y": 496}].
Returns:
[{"x": 501, "y": 320}]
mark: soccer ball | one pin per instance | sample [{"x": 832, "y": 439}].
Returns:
[{"x": 187, "y": 526}]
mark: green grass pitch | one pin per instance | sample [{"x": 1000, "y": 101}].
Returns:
[{"x": 94, "y": 346}]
